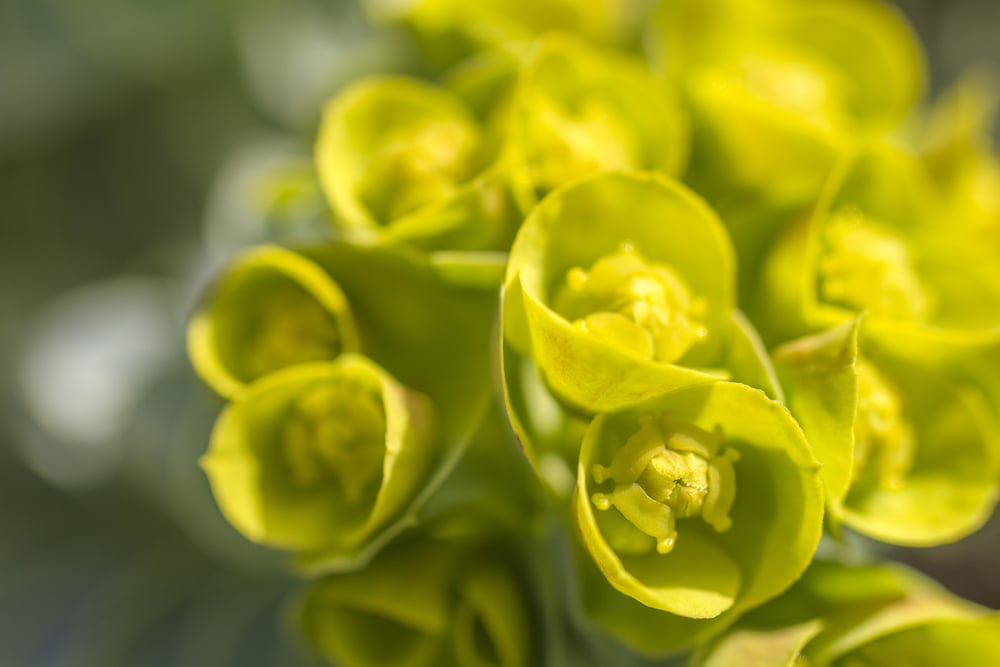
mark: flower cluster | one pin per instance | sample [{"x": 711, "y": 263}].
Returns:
[{"x": 606, "y": 337}]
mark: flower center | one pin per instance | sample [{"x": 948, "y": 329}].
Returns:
[
  {"x": 868, "y": 267},
  {"x": 883, "y": 437},
  {"x": 641, "y": 307},
  {"x": 669, "y": 471},
  {"x": 292, "y": 328},
  {"x": 415, "y": 167},
  {"x": 337, "y": 430},
  {"x": 565, "y": 146}
]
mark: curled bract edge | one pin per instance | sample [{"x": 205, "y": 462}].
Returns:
[
  {"x": 702, "y": 503},
  {"x": 320, "y": 455},
  {"x": 271, "y": 308}
]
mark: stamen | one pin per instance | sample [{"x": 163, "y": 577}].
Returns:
[
  {"x": 638, "y": 306},
  {"x": 337, "y": 430},
  {"x": 293, "y": 328},
  {"x": 884, "y": 442},
  {"x": 668, "y": 471},
  {"x": 868, "y": 267}
]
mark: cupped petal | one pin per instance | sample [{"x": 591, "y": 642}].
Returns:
[
  {"x": 951, "y": 487},
  {"x": 403, "y": 161},
  {"x": 909, "y": 452},
  {"x": 320, "y": 454},
  {"x": 776, "y": 513},
  {"x": 636, "y": 244},
  {"x": 270, "y": 309},
  {"x": 859, "y": 614},
  {"x": 467, "y": 608},
  {"x": 577, "y": 110}
]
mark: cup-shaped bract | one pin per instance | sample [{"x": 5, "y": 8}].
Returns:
[
  {"x": 270, "y": 309},
  {"x": 864, "y": 615},
  {"x": 320, "y": 455},
  {"x": 878, "y": 243},
  {"x": 621, "y": 287},
  {"x": 577, "y": 110},
  {"x": 779, "y": 87},
  {"x": 702, "y": 503},
  {"x": 909, "y": 456},
  {"x": 402, "y": 160},
  {"x": 424, "y": 603}
]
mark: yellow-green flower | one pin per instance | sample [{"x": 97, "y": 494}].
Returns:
[
  {"x": 402, "y": 160},
  {"x": 270, "y": 309},
  {"x": 859, "y": 616},
  {"x": 700, "y": 504},
  {"x": 910, "y": 456},
  {"x": 620, "y": 287},
  {"x": 424, "y": 603},
  {"x": 576, "y": 110},
  {"x": 880, "y": 243},
  {"x": 780, "y": 87},
  {"x": 320, "y": 455}
]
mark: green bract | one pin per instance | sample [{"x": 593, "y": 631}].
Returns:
[
  {"x": 909, "y": 457},
  {"x": 862, "y": 616},
  {"x": 272, "y": 308},
  {"x": 878, "y": 244},
  {"x": 577, "y": 110},
  {"x": 779, "y": 87},
  {"x": 702, "y": 503},
  {"x": 320, "y": 455},
  {"x": 402, "y": 160},
  {"x": 621, "y": 287},
  {"x": 424, "y": 604}
]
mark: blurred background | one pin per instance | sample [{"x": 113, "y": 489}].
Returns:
[{"x": 141, "y": 143}]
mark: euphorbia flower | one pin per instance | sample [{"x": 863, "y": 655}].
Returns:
[
  {"x": 621, "y": 287},
  {"x": 780, "y": 87},
  {"x": 909, "y": 455},
  {"x": 864, "y": 616},
  {"x": 702, "y": 503},
  {"x": 879, "y": 243},
  {"x": 576, "y": 110},
  {"x": 404, "y": 161},
  {"x": 272, "y": 308},
  {"x": 424, "y": 603},
  {"x": 320, "y": 455}
]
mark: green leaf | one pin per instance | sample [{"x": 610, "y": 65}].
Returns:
[{"x": 270, "y": 309}]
